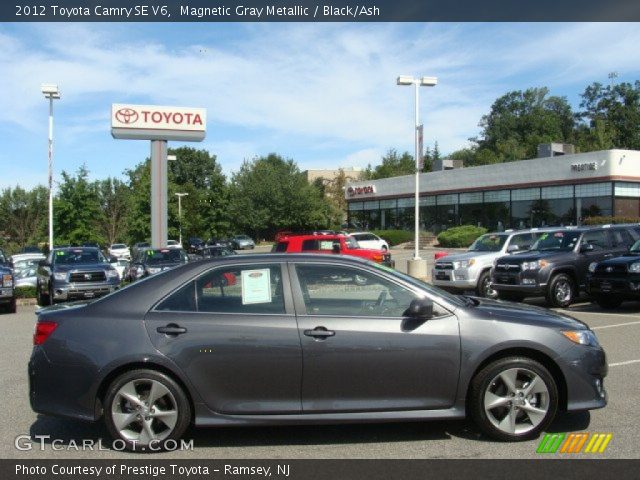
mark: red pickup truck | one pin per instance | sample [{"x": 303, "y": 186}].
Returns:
[{"x": 339, "y": 244}]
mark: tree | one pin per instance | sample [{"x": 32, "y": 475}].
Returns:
[
  {"x": 138, "y": 218},
  {"x": 610, "y": 116},
  {"x": 113, "y": 195},
  {"x": 521, "y": 120},
  {"x": 393, "y": 165},
  {"x": 77, "y": 210},
  {"x": 23, "y": 216},
  {"x": 270, "y": 194}
]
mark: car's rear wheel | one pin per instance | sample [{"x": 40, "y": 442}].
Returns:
[
  {"x": 562, "y": 291},
  {"x": 146, "y": 409},
  {"x": 484, "y": 286},
  {"x": 513, "y": 399},
  {"x": 608, "y": 302}
]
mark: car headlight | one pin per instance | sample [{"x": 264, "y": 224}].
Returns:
[
  {"x": 592, "y": 267},
  {"x": 634, "y": 267},
  {"x": 534, "y": 265},
  {"x": 7, "y": 280},
  {"x": 112, "y": 274},
  {"x": 62, "y": 276},
  {"x": 582, "y": 337},
  {"x": 464, "y": 263}
]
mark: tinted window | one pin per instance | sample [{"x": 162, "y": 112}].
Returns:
[
  {"x": 77, "y": 256},
  {"x": 561, "y": 240},
  {"x": 183, "y": 300},
  {"x": 281, "y": 247},
  {"x": 337, "y": 290},
  {"x": 622, "y": 238},
  {"x": 522, "y": 241},
  {"x": 488, "y": 243},
  {"x": 312, "y": 244},
  {"x": 597, "y": 238},
  {"x": 155, "y": 257}
]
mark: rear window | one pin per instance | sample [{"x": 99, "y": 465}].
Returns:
[{"x": 312, "y": 244}]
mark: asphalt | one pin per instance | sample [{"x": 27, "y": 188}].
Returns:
[{"x": 619, "y": 333}]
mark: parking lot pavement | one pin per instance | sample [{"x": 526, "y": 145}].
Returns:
[{"x": 618, "y": 331}]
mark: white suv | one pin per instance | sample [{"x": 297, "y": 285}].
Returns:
[
  {"x": 471, "y": 270},
  {"x": 369, "y": 240}
]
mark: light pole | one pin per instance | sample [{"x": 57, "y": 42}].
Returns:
[
  {"x": 51, "y": 92},
  {"x": 417, "y": 268},
  {"x": 180, "y": 195}
]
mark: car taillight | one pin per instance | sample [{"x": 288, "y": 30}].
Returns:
[
  {"x": 378, "y": 258},
  {"x": 43, "y": 330}
]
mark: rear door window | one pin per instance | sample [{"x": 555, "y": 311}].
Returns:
[{"x": 621, "y": 238}]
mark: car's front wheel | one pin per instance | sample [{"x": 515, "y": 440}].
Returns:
[
  {"x": 484, "y": 286},
  {"x": 41, "y": 298},
  {"x": 562, "y": 291},
  {"x": 146, "y": 409},
  {"x": 513, "y": 399}
]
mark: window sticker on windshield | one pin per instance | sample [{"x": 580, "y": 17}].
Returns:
[
  {"x": 256, "y": 286},
  {"x": 544, "y": 236},
  {"x": 59, "y": 253}
]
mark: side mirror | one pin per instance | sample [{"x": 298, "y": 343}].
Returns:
[
  {"x": 512, "y": 248},
  {"x": 420, "y": 308},
  {"x": 586, "y": 247}
]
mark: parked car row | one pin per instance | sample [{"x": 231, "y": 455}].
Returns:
[{"x": 556, "y": 263}]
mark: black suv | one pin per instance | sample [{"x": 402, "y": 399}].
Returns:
[
  {"x": 557, "y": 265},
  {"x": 617, "y": 279},
  {"x": 7, "y": 291},
  {"x": 155, "y": 260}
]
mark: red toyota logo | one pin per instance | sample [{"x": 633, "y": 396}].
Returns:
[{"x": 127, "y": 115}]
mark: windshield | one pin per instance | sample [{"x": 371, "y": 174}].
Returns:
[
  {"x": 77, "y": 256},
  {"x": 559, "y": 241},
  {"x": 453, "y": 299},
  {"x": 154, "y": 257},
  {"x": 488, "y": 243}
]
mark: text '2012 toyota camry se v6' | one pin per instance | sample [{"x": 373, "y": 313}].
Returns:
[{"x": 294, "y": 339}]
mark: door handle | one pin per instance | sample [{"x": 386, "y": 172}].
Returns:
[
  {"x": 171, "y": 329},
  {"x": 319, "y": 333}
]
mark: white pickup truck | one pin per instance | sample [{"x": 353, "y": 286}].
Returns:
[{"x": 471, "y": 270}]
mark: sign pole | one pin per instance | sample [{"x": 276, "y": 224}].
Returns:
[{"x": 158, "y": 193}]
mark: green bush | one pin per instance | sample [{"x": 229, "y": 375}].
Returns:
[
  {"x": 394, "y": 237},
  {"x": 25, "y": 292},
  {"x": 462, "y": 236},
  {"x": 610, "y": 220}
]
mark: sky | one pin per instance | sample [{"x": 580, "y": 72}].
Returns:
[{"x": 324, "y": 95}]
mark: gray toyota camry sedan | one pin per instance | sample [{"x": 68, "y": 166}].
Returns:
[{"x": 293, "y": 339}]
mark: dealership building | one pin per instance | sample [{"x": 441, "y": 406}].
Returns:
[{"x": 562, "y": 189}]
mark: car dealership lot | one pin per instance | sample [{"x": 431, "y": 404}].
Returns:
[{"x": 618, "y": 331}]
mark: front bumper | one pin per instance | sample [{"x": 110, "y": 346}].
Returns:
[
  {"x": 584, "y": 369},
  {"x": 461, "y": 278},
  {"x": 527, "y": 282},
  {"x": 76, "y": 291},
  {"x": 627, "y": 286}
]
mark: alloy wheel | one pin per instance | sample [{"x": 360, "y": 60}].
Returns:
[
  {"x": 144, "y": 411},
  {"x": 486, "y": 289},
  {"x": 563, "y": 291},
  {"x": 516, "y": 401}
]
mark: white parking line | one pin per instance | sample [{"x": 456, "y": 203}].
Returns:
[
  {"x": 615, "y": 325},
  {"x": 629, "y": 362}
]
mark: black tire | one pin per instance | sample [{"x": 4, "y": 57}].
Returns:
[
  {"x": 608, "y": 302},
  {"x": 561, "y": 291},
  {"x": 42, "y": 299},
  {"x": 510, "y": 296},
  {"x": 485, "y": 379},
  {"x": 182, "y": 405},
  {"x": 483, "y": 290},
  {"x": 50, "y": 296}
]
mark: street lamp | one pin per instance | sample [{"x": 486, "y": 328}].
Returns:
[
  {"x": 417, "y": 267},
  {"x": 51, "y": 92},
  {"x": 180, "y": 195}
]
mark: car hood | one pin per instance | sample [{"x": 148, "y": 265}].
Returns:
[
  {"x": 456, "y": 257},
  {"x": 529, "y": 256},
  {"x": 525, "y": 314},
  {"x": 628, "y": 258},
  {"x": 82, "y": 267}
]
